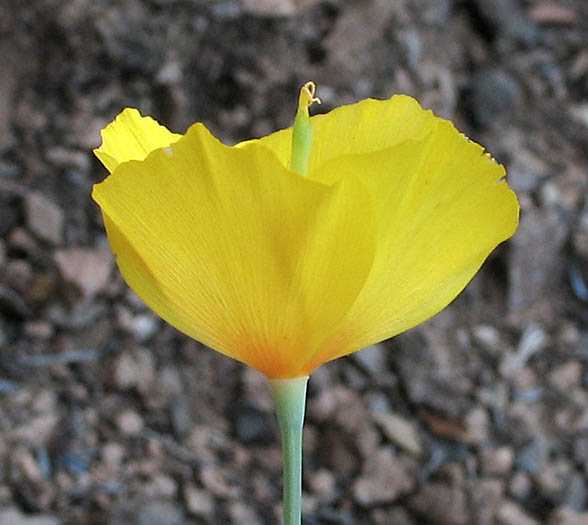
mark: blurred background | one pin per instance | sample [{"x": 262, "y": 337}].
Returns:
[{"x": 109, "y": 416}]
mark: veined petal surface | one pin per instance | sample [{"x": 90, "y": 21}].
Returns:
[
  {"x": 132, "y": 137},
  {"x": 442, "y": 207},
  {"x": 366, "y": 126},
  {"x": 238, "y": 252}
]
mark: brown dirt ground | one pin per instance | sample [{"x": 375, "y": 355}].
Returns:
[{"x": 109, "y": 416}]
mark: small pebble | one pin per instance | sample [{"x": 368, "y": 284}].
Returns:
[
  {"x": 129, "y": 422},
  {"x": 497, "y": 461},
  {"x": 493, "y": 93},
  {"x": 44, "y": 218},
  {"x": 160, "y": 513},
  {"x": 251, "y": 425},
  {"x": 41, "y": 330},
  {"x": 199, "y": 502},
  {"x": 510, "y": 513}
]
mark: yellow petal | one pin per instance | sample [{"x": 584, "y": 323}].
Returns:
[
  {"x": 364, "y": 127},
  {"x": 442, "y": 207},
  {"x": 238, "y": 252},
  {"x": 132, "y": 137}
]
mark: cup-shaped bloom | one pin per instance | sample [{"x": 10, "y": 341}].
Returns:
[{"x": 284, "y": 272}]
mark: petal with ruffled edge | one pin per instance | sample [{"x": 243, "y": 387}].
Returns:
[
  {"x": 238, "y": 252},
  {"x": 442, "y": 207},
  {"x": 132, "y": 137}
]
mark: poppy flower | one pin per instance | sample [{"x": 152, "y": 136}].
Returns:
[
  {"x": 386, "y": 216},
  {"x": 291, "y": 250}
]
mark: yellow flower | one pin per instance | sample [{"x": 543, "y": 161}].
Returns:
[{"x": 283, "y": 271}]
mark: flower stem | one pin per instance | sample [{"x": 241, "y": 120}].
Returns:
[{"x": 290, "y": 399}]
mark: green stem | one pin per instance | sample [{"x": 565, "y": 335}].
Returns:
[{"x": 290, "y": 400}]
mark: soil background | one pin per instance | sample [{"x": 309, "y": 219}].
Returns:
[{"x": 109, "y": 416}]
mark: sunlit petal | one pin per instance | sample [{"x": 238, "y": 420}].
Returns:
[
  {"x": 238, "y": 252},
  {"x": 132, "y": 137},
  {"x": 442, "y": 207}
]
